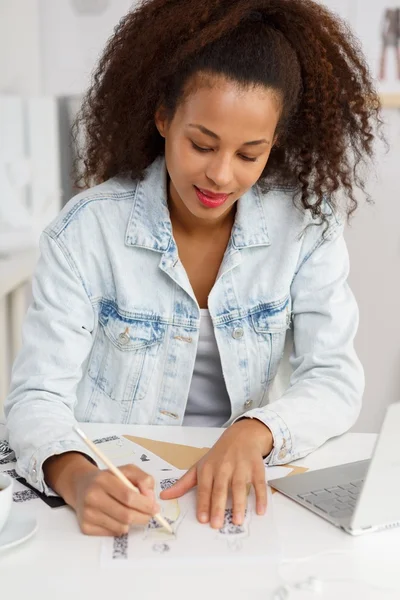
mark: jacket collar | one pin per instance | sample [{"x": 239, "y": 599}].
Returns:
[{"x": 150, "y": 226}]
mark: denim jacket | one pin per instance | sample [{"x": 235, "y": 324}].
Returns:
[{"x": 111, "y": 334}]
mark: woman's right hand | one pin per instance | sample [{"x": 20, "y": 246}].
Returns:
[
  {"x": 103, "y": 504},
  {"x": 106, "y": 506}
]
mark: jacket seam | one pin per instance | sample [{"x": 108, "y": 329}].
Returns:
[
  {"x": 65, "y": 221},
  {"x": 70, "y": 262},
  {"x": 320, "y": 241}
]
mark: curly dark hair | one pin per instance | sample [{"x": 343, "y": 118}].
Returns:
[{"x": 330, "y": 114}]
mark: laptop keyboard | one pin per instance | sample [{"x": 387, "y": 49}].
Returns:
[{"x": 338, "y": 501}]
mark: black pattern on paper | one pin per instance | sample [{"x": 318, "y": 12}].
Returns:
[
  {"x": 6, "y": 453},
  {"x": 111, "y": 438},
  {"x": 120, "y": 547},
  {"x": 11, "y": 473},
  {"x": 4, "y": 448},
  {"x": 144, "y": 458},
  {"x": 167, "y": 483},
  {"x": 229, "y": 527},
  {"x": 8, "y": 460},
  {"x": 24, "y": 496}
]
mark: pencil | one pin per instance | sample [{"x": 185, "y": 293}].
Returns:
[{"x": 118, "y": 473}]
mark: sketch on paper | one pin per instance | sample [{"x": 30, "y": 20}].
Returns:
[
  {"x": 232, "y": 533},
  {"x": 172, "y": 513},
  {"x": 161, "y": 548},
  {"x": 192, "y": 540},
  {"x": 122, "y": 451},
  {"x": 230, "y": 528}
]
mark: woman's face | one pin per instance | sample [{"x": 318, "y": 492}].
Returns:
[{"x": 218, "y": 142}]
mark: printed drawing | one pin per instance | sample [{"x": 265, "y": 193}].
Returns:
[
  {"x": 167, "y": 483},
  {"x": 232, "y": 533},
  {"x": 172, "y": 513},
  {"x": 24, "y": 496},
  {"x": 120, "y": 547}
]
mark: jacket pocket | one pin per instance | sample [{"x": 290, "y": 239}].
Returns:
[
  {"x": 270, "y": 322},
  {"x": 124, "y": 355}
]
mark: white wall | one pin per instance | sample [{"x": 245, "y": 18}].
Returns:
[
  {"x": 73, "y": 40},
  {"x": 374, "y": 246},
  {"x": 20, "y": 57}
]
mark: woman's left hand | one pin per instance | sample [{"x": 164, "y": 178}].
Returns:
[{"x": 231, "y": 464}]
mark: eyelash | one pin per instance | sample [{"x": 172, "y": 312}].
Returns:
[{"x": 199, "y": 149}]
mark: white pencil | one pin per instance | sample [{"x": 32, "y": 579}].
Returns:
[{"x": 118, "y": 473}]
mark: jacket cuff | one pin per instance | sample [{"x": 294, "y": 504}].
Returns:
[
  {"x": 34, "y": 473},
  {"x": 282, "y": 450}
]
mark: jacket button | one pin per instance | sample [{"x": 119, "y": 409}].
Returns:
[
  {"x": 34, "y": 476},
  {"x": 123, "y": 339},
  {"x": 237, "y": 333},
  {"x": 282, "y": 453},
  {"x": 248, "y": 404}
]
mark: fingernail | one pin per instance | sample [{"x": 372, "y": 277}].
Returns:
[
  {"x": 238, "y": 518},
  {"x": 261, "y": 509},
  {"x": 203, "y": 517},
  {"x": 216, "y": 523}
]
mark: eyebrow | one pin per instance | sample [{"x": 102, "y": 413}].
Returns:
[{"x": 216, "y": 137}]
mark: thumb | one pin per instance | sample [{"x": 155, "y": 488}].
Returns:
[{"x": 182, "y": 486}]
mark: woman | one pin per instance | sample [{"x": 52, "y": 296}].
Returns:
[{"x": 219, "y": 138}]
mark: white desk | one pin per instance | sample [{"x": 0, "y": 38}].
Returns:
[{"x": 60, "y": 563}]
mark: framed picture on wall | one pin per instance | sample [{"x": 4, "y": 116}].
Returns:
[{"x": 378, "y": 26}]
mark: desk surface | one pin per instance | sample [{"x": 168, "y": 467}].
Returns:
[{"x": 60, "y": 563}]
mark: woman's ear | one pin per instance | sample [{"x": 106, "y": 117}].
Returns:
[{"x": 160, "y": 119}]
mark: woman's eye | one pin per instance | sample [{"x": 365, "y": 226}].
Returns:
[
  {"x": 200, "y": 149},
  {"x": 242, "y": 156},
  {"x": 248, "y": 158}
]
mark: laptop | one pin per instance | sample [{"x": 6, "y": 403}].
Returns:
[{"x": 358, "y": 497}]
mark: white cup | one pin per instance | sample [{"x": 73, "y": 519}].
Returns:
[{"x": 6, "y": 496}]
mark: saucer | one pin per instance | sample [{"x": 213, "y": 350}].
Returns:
[{"x": 17, "y": 530}]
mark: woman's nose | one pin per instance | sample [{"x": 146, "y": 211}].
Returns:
[{"x": 219, "y": 171}]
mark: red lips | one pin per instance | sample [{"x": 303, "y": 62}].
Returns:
[{"x": 210, "y": 199}]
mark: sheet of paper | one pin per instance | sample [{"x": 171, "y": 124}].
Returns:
[
  {"x": 256, "y": 538},
  {"x": 178, "y": 455},
  {"x": 123, "y": 451},
  {"x": 277, "y": 472}
]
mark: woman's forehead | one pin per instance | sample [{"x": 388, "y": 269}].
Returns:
[{"x": 254, "y": 109}]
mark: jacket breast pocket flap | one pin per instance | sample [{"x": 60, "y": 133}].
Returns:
[
  {"x": 131, "y": 335},
  {"x": 124, "y": 356},
  {"x": 272, "y": 318}
]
